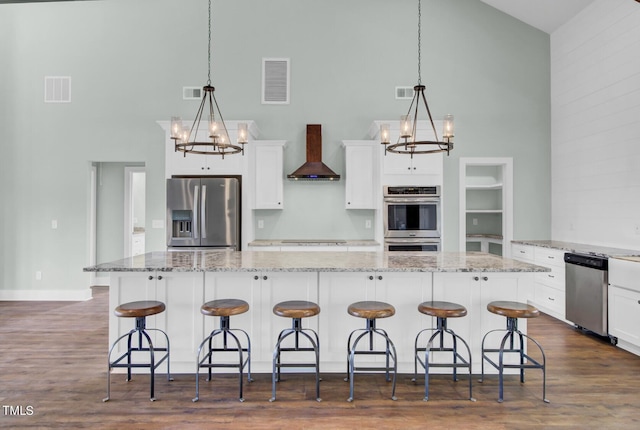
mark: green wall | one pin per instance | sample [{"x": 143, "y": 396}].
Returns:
[{"x": 129, "y": 60}]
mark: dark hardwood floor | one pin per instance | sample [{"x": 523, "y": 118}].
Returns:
[{"x": 53, "y": 375}]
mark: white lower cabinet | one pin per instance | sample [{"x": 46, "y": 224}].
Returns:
[
  {"x": 624, "y": 303},
  {"x": 624, "y": 315},
  {"x": 181, "y": 320},
  {"x": 404, "y": 291},
  {"x": 475, "y": 291},
  {"x": 549, "y": 294}
]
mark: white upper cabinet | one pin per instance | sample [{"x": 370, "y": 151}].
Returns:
[
  {"x": 403, "y": 169},
  {"x": 269, "y": 174},
  {"x": 361, "y": 173},
  {"x": 179, "y": 163}
]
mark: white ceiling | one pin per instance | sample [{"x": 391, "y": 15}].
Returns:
[{"x": 545, "y": 15}]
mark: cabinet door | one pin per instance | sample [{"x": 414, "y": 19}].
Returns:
[
  {"x": 360, "y": 180},
  {"x": 268, "y": 176},
  {"x": 127, "y": 287},
  {"x": 397, "y": 164},
  {"x": 284, "y": 286},
  {"x": 624, "y": 314},
  {"x": 237, "y": 285},
  {"x": 463, "y": 289},
  {"x": 337, "y": 291},
  {"x": 405, "y": 291},
  {"x": 182, "y": 293}
]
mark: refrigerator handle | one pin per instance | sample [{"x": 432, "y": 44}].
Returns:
[
  {"x": 203, "y": 212},
  {"x": 195, "y": 212}
]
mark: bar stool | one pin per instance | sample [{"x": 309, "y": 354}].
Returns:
[
  {"x": 513, "y": 311},
  {"x": 371, "y": 310},
  {"x": 224, "y": 308},
  {"x": 296, "y": 310},
  {"x": 442, "y": 311},
  {"x": 138, "y": 310}
]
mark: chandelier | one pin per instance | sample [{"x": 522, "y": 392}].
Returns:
[
  {"x": 193, "y": 140},
  {"x": 408, "y": 141}
]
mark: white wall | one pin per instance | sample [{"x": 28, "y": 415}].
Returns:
[
  {"x": 128, "y": 61},
  {"x": 595, "y": 100}
]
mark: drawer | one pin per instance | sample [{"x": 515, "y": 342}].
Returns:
[
  {"x": 551, "y": 299},
  {"x": 522, "y": 252},
  {"x": 549, "y": 257},
  {"x": 554, "y": 279},
  {"x": 624, "y": 273}
]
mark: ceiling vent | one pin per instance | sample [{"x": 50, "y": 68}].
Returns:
[
  {"x": 57, "y": 89},
  {"x": 275, "y": 81}
]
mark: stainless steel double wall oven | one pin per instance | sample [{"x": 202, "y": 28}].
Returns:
[{"x": 412, "y": 218}]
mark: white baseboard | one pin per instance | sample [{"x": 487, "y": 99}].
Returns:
[{"x": 46, "y": 295}]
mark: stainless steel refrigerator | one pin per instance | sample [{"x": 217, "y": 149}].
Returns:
[{"x": 203, "y": 213}]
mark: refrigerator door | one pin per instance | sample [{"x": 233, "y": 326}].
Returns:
[
  {"x": 183, "y": 212},
  {"x": 220, "y": 212}
]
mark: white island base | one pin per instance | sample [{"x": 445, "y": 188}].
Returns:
[{"x": 184, "y": 292}]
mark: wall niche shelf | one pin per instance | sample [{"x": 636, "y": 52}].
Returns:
[{"x": 486, "y": 205}]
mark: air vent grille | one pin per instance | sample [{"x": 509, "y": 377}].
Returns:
[
  {"x": 404, "y": 93},
  {"x": 191, "y": 93},
  {"x": 57, "y": 89},
  {"x": 275, "y": 81}
]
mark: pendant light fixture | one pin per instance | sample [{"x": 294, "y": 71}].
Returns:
[
  {"x": 408, "y": 142},
  {"x": 192, "y": 141}
]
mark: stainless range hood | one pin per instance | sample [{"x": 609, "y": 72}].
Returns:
[{"x": 314, "y": 169}]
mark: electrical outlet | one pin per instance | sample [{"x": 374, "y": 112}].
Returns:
[
  {"x": 475, "y": 221},
  {"x": 367, "y": 223},
  {"x": 260, "y": 223},
  {"x": 38, "y": 276},
  {"x": 54, "y": 224}
]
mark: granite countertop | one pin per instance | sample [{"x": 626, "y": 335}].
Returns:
[
  {"x": 301, "y": 261},
  {"x": 312, "y": 242},
  {"x": 580, "y": 248},
  {"x": 629, "y": 258}
]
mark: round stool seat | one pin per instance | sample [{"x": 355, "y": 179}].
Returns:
[
  {"x": 442, "y": 309},
  {"x": 296, "y": 309},
  {"x": 139, "y": 309},
  {"x": 224, "y": 307},
  {"x": 513, "y": 309},
  {"x": 371, "y": 310}
]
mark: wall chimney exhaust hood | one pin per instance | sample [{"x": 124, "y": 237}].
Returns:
[{"x": 314, "y": 169}]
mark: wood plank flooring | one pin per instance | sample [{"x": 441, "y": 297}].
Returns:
[{"x": 53, "y": 360}]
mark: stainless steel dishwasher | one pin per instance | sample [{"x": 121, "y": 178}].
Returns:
[{"x": 587, "y": 279}]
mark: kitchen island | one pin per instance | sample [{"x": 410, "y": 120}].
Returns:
[{"x": 184, "y": 280}]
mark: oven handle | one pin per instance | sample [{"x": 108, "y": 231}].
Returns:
[
  {"x": 397, "y": 241},
  {"x": 412, "y": 199}
]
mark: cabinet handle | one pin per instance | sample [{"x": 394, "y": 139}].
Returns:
[
  {"x": 379, "y": 277},
  {"x": 370, "y": 278},
  {"x": 550, "y": 257},
  {"x": 551, "y": 276},
  {"x": 279, "y": 203},
  {"x": 264, "y": 277},
  {"x": 256, "y": 277},
  {"x": 551, "y": 299},
  {"x": 160, "y": 278},
  {"x": 484, "y": 278},
  {"x": 414, "y": 168},
  {"x": 521, "y": 252},
  {"x": 475, "y": 278},
  {"x": 409, "y": 168},
  {"x": 348, "y": 203},
  {"x": 150, "y": 277},
  {"x": 639, "y": 302}
]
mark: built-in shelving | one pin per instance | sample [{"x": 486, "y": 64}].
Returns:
[{"x": 485, "y": 202}]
